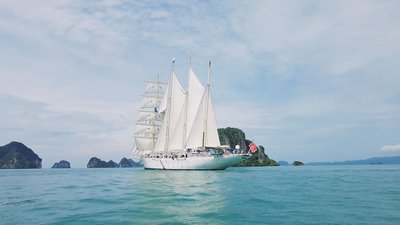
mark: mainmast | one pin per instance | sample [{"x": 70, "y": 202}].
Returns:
[
  {"x": 206, "y": 108},
  {"x": 168, "y": 110},
  {"x": 186, "y": 107}
]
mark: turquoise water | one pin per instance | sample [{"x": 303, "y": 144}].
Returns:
[{"x": 268, "y": 195}]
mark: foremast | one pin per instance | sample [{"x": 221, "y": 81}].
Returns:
[{"x": 149, "y": 120}]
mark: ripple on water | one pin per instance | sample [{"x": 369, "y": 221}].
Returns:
[
  {"x": 279, "y": 195},
  {"x": 21, "y": 202}
]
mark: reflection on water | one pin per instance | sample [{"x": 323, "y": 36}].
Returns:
[
  {"x": 279, "y": 195},
  {"x": 179, "y": 196}
]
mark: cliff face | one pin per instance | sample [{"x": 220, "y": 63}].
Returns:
[
  {"x": 112, "y": 164},
  {"x": 98, "y": 163},
  {"x": 16, "y": 155},
  {"x": 62, "y": 164},
  {"x": 234, "y": 136},
  {"x": 128, "y": 163},
  {"x": 259, "y": 158},
  {"x": 95, "y": 162}
]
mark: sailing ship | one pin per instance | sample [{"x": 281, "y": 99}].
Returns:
[{"x": 176, "y": 128}]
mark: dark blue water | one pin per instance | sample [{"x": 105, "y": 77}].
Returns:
[{"x": 268, "y": 195}]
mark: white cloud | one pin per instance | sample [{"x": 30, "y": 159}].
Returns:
[
  {"x": 320, "y": 68},
  {"x": 390, "y": 149}
]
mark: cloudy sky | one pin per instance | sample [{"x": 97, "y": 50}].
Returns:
[{"x": 310, "y": 80}]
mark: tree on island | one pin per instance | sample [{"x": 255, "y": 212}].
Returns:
[
  {"x": 259, "y": 158},
  {"x": 233, "y": 136},
  {"x": 16, "y": 155}
]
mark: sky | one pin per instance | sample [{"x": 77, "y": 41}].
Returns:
[{"x": 308, "y": 80}]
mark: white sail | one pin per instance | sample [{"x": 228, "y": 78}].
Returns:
[
  {"x": 147, "y": 115},
  {"x": 164, "y": 101},
  {"x": 212, "y": 138},
  {"x": 189, "y": 120},
  {"x": 202, "y": 131},
  {"x": 149, "y": 121},
  {"x": 195, "y": 95},
  {"x": 175, "y": 103},
  {"x": 155, "y": 87},
  {"x": 146, "y": 130},
  {"x": 176, "y": 121},
  {"x": 151, "y": 101},
  {"x": 144, "y": 144},
  {"x": 177, "y": 139},
  {"x": 160, "y": 144}
]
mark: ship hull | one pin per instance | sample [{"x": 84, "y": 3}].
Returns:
[{"x": 212, "y": 162}]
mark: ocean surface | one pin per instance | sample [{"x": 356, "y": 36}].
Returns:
[{"x": 263, "y": 195}]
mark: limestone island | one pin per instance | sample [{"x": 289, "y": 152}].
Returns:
[
  {"x": 62, "y": 164},
  {"x": 95, "y": 162},
  {"x": 16, "y": 155},
  {"x": 298, "y": 163},
  {"x": 233, "y": 136}
]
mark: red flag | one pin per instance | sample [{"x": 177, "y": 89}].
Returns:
[{"x": 253, "y": 147}]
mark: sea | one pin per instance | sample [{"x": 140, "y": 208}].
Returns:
[{"x": 290, "y": 195}]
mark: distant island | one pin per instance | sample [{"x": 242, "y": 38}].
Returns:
[
  {"x": 16, "y": 155},
  {"x": 63, "y": 164},
  {"x": 298, "y": 163},
  {"x": 283, "y": 163},
  {"x": 370, "y": 161},
  {"x": 95, "y": 162}
]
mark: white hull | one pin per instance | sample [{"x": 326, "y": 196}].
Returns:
[{"x": 211, "y": 162}]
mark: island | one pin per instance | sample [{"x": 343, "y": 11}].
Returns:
[
  {"x": 386, "y": 160},
  {"x": 61, "y": 164},
  {"x": 283, "y": 163},
  {"x": 298, "y": 163},
  {"x": 128, "y": 163},
  {"x": 233, "y": 136},
  {"x": 16, "y": 155},
  {"x": 95, "y": 162}
]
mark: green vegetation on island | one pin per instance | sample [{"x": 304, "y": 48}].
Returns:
[
  {"x": 259, "y": 158},
  {"x": 16, "y": 155},
  {"x": 233, "y": 136}
]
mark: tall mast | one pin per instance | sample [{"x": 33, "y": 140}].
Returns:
[
  {"x": 186, "y": 106},
  {"x": 207, "y": 99},
  {"x": 168, "y": 110},
  {"x": 155, "y": 114}
]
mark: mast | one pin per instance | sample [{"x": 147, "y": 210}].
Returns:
[
  {"x": 206, "y": 108},
  {"x": 155, "y": 115},
  {"x": 186, "y": 106},
  {"x": 168, "y": 110},
  {"x": 149, "y": 122}
]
